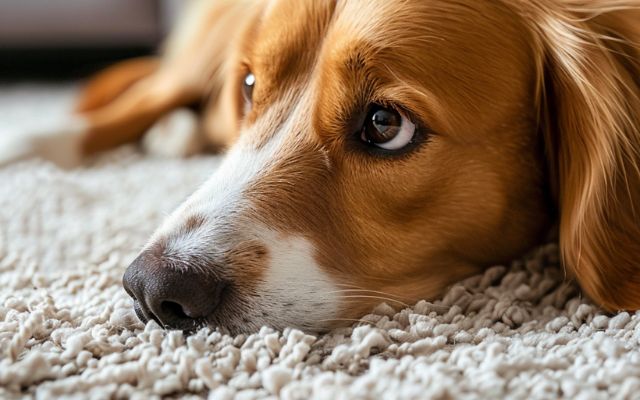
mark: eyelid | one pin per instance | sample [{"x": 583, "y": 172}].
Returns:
[{"x": 422, "y": 107}]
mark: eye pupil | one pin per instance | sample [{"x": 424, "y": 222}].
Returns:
[
  {"x": 248, "y": 85},
  {"x": 386, "y": 122},
  {"x": 382, "y": 125}
]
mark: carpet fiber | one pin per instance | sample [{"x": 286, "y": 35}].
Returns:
[{"x": 67, "y": 328}]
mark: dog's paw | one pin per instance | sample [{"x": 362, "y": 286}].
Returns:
[
  {"x": 59, "y": 145},
  {"x": 176, "y": 135}
]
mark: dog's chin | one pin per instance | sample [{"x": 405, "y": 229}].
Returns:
[
  {"x": 248, "y": 324},
  {"x": 232, "y": 325}
]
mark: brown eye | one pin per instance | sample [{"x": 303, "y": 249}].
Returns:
[
  {"x": 387, "y": 128},
  {"x": 248, "y": 84}
]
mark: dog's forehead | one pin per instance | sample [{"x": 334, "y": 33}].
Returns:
[
  {"x": 303, "y": 24},
  {"x": 288, "y": 35},
  {"x": 291, "y": 33},
  {"x": 291, "y": 36}
]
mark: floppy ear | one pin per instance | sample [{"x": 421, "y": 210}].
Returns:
[{"x": 590, "y": 64}]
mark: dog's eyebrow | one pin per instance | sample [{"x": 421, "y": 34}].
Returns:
[{"x": 291, "y": 48}]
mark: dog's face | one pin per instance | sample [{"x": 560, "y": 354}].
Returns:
[{"x": 385, "y": 149}]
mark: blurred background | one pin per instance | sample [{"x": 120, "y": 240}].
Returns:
[
  {"x": 54, "y": 39},
  {"x": 48, "y": 48}
]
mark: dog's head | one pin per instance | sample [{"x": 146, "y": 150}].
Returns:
[{"x": 386, "y": 149}]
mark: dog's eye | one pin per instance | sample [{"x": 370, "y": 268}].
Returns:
[
  {"x": 248, "y": 84},
  {"x": 387, "y": 128}
]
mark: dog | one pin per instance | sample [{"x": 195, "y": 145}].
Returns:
[{"x": 378, "y": 151}]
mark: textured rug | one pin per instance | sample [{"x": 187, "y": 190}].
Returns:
[{"x": 67, "y": 328}]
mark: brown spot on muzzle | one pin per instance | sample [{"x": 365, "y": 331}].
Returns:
[
  {"x": 194, "y": 222},
  {"x": 246, "y": 264}
]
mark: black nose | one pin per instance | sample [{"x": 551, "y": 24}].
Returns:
[{"x": 176, "y": 296}]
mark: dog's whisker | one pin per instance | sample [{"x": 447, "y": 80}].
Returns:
[
  {"x": 377, "y": 292},
  {"x": 352, "y": 320},
  {"x": 377, "y": 297}
]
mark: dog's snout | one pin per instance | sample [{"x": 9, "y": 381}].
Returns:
[{"x": 177, "y": 297}]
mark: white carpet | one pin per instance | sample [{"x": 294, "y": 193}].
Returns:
[{"x": 67, "y": 328}]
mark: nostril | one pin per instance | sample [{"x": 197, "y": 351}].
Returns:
[{"x": 170, "y": 308}]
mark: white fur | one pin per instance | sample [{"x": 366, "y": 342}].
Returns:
[
  {"x": 59, "y": 145},
  {"x": 176, "y": 135},
  {"x": 222, "y": 194},
  {"x": 302, "y": 291}
]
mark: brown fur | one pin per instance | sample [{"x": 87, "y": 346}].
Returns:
[
  {"x": 523, "y": 102},
  {"x": 111, "y": 83}
]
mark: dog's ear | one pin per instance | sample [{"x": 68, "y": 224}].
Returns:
[{"x": 590, "y": 106}]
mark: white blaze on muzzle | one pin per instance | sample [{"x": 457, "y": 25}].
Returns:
[{"x": 294, "y": 290}]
